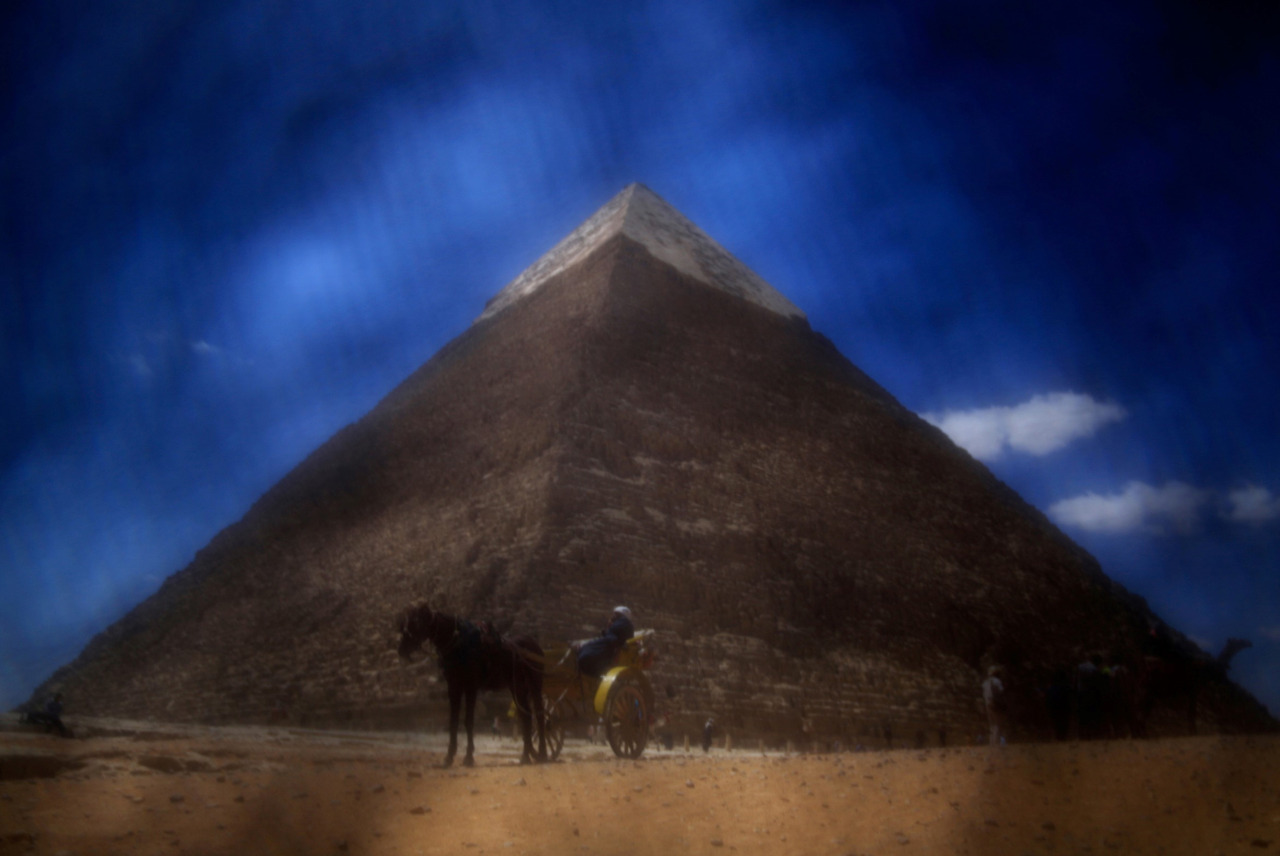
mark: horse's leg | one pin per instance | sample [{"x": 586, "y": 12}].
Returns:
[
  {"x": 470, "y": 759},
  {"x": 539, "y": 711},
  {"x": 455, "y": 700},
  {"x": 521, "y": 694}
]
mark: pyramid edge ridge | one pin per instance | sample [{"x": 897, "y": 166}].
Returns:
[{"x": 675, "y": 239}]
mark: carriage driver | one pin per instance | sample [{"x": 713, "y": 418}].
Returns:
[{"x": 597, "y": 655}]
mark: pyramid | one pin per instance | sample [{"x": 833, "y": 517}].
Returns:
[{"x": 637, "y": 418}]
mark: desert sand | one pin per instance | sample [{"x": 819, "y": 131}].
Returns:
[{"x": 148, "y": 789}]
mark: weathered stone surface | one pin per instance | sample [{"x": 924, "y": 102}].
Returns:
[{"x": 818, "y": 562}]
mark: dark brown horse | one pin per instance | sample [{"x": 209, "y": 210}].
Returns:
[{"x": 475, "y": 658}]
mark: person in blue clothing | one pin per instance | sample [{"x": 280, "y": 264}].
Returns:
[{"x": 597, "y": 655}]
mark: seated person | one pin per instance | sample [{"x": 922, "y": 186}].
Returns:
[{"x": 597, "y": 655}]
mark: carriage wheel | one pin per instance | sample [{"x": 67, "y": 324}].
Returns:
[
  {"x": 626, "y": 720},
  {"x": 555, "y": 726}
]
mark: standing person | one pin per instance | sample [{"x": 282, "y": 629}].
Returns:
[
  {"x": 994, "y": 701},
  {"x": 597, "y": 655},
  {"x": 1091, "y": 689},
  {"x": 708, "y": 731},
  {"x": 1057, "y": 699},
  {"x": 1121, "y": 700}
]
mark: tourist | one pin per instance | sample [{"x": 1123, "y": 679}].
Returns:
[
  {"x": 596, "y": 656},
  {"x": 994, "y": 700},
  {"x": 1057, "y": 699}
]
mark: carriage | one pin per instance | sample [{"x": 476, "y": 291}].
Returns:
[{"x": 622, "y": 699}]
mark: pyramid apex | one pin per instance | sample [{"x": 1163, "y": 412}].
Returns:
[{"x": 645, "y": 217}]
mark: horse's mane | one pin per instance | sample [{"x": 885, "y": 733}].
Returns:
[{"x": 420, "y": 623}]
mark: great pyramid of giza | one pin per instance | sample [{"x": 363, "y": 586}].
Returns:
[{"x": 639, "y": 419}]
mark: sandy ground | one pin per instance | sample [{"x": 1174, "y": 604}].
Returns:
[{"x": 143, "y": 789}]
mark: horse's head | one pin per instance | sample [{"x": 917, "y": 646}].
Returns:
[{"x": 414, "y": 626}]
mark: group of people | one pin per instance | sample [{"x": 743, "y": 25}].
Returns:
[
  {"x": 1101, "y": 692},
  {"x": 1098, "y": 692}
]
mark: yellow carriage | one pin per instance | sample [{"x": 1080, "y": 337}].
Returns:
[{"x": 622, "y": 699}]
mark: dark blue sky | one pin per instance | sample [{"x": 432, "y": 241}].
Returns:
[{"x": 227, "y": 229}]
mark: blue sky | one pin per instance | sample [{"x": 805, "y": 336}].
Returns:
[{"x": 227, "y": 229}]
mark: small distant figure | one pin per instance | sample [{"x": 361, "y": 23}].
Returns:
[
  {"x": 708, "y": 732},
  {"x": 1120, "y": 698},
  {"x": 597, "y": 655},
  {"x": 1057, "y": 700},
  {"x": 497, "y": 732},
  {"x": 993, "y": 698},
  {"x": 50, "y": 717},
  {"x": 1091, "y": 691}
]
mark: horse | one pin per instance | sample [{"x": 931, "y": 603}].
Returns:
[{"x": 473, "y": 658}]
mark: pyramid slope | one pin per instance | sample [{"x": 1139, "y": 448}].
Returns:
[
  {"x": 745, "y": 489},
  {"x": 441, "y": 489},
  {"x": 817, "y": 560}
]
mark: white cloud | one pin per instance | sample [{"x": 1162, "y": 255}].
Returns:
[
  {"x": 1039, "y": 426},
  {"x": 981, "y": 432},
  {"x": 200, "y": 346},
  {"x": 1139, "y": 507},
  {"x": 1252, "y": 505}
]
